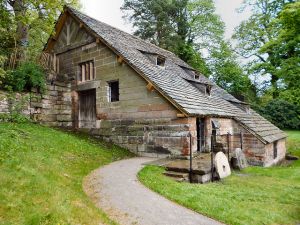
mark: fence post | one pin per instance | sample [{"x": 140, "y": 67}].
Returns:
[
  {"x": 228, "y": 144},
  {"x": 191, "y": 159},
  {"x": 211, "y": 158}
]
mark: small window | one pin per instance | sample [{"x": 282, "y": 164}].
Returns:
[
  {"x": 113, "y": 94},
  {"x": 86, "y": 71},
  {"x": 197, "y": 77},
  {"x": 208, "y": 90},
  {"x": 160, "y": 61},
  {"x": 275, "y": 149}
]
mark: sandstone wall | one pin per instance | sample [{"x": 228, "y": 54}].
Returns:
[
  {"x": 52, "y": 108},
  {"x": 270, "y": 158},
  {"x": 257, "y": 153},
  {"x": 141, "y": 121}
]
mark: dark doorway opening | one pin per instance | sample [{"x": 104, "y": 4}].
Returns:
[
  {"x": 200, "y": 123},
  {"x": 275, "y": 150},
  {"x": 87, "y": 109}
]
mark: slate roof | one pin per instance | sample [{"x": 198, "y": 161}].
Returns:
[{"x": 174, "y": 80}]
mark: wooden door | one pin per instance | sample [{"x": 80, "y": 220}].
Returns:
[{"x": 87, "y": 109}]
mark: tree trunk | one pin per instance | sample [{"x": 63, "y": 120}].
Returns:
[
  {"x": 274, "y": 80},
  {"x": 22, "y": 29}
]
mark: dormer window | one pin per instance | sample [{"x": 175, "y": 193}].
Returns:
[
  {"x": 160, "y": 61},
  {"x": 197, "y": 77},
  {"x": 208, "y": 90}
]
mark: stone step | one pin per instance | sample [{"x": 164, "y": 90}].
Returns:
[
  {"x": 176, "y": 174},
  {"x": 196, "y": 170}
]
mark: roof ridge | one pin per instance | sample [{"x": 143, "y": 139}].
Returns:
[{"x": 118, "y": 29}]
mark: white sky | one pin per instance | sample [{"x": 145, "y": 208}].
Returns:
[{"x": 108, "y": 11}]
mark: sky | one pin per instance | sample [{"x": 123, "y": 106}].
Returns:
[{"x": 108, "y": 11}]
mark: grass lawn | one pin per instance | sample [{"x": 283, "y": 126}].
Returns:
[
  {"x": 41, "y": 173},
  {"x": 257, "y": 196}
]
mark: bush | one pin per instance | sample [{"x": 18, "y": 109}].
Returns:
[
  {"x": 27, "y": 76},
  {"x": 283, "y": 114},
  {"x": 2, "y": 71}
]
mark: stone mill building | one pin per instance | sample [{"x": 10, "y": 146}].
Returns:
[{"x": 144, "y": 98}]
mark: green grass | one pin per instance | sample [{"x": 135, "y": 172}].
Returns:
[
  {"x": 255, "y": 196},
  {"x": 41, "y": 173}
]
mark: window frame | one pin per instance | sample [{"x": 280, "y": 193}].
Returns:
[
  {"x": 161, "y": 61},
  {"x": 208, "y": 90},
  {"x": 109, "y": 95},
  {"x": 86, "y": 71}
]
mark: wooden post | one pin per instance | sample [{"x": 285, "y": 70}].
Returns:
[
  {"x": 212, "y": 158},
  {"x": 228, "y": 143}
]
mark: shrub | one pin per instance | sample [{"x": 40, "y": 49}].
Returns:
[
  {"x": 27, "y": 76},
  {"x": 2, "y": 71},
  {"x": 282, "y": 113}
]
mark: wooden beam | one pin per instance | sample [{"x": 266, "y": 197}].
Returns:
[
  {"x": 81, "y": 25},
  {"x": 180, "y": 115},
  {"x": 97, "y": 40},
  {"x": 120, "y": 59},
  {"x": 150, "y": 87}
]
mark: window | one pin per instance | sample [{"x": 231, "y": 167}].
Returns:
[
  {"x": 208, "y": 90},
  {"x": 86, "y": 71},
  {"x": 160, "y": 61},
  {"x": 113, "y": 93},
  {"x": 275, "y": 149},
  {"x": 197, "y": 77}
]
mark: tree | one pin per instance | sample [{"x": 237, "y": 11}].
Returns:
[
  {"x": 30, "y": 23},
  {"x": 282, "y": 113},
  {"x": 286, "y": 51},
  {"x": 193, "y": 31},
  {"x": 253, "y": 34},
  {"x": 227, "y": 73}
]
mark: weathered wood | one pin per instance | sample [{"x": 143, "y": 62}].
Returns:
[
  {"x": 87, "y": 109},
  {"x": 120, "y": 59},
  {"x": 180, "y": 115},
  {"x": 150, "y": 87}
]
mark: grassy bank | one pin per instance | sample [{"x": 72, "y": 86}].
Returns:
[
  {"x": 41, "y": 172},
  {"x": 255, "y": 196}
]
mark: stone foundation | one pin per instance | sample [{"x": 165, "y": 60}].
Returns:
[{"x": 150, "y": 137}]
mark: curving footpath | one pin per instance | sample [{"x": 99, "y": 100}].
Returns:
[{"x": 116, "y": 190}]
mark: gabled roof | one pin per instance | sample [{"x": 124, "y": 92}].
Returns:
[{"x": 174, "y": 80}]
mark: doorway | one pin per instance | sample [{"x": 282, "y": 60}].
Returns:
[
  {"x": 200, "y": 123},
  {"x": 87, "y": 109}
]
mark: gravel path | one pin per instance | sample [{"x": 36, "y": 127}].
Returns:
[{"x": 116, "y": 189}]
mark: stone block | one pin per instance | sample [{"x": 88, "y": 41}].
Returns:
[{"x": 64, "y": 118}]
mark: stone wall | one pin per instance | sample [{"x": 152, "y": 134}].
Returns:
[
  {"x": 4, "y": 107},
  {"x": 52, "y": 108},
  {"x": 270, "y": 158},
  {"x": 20, "y": 99},
  {"x": 257, "y": 153},
  {"x": 150, "y": 137}
]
